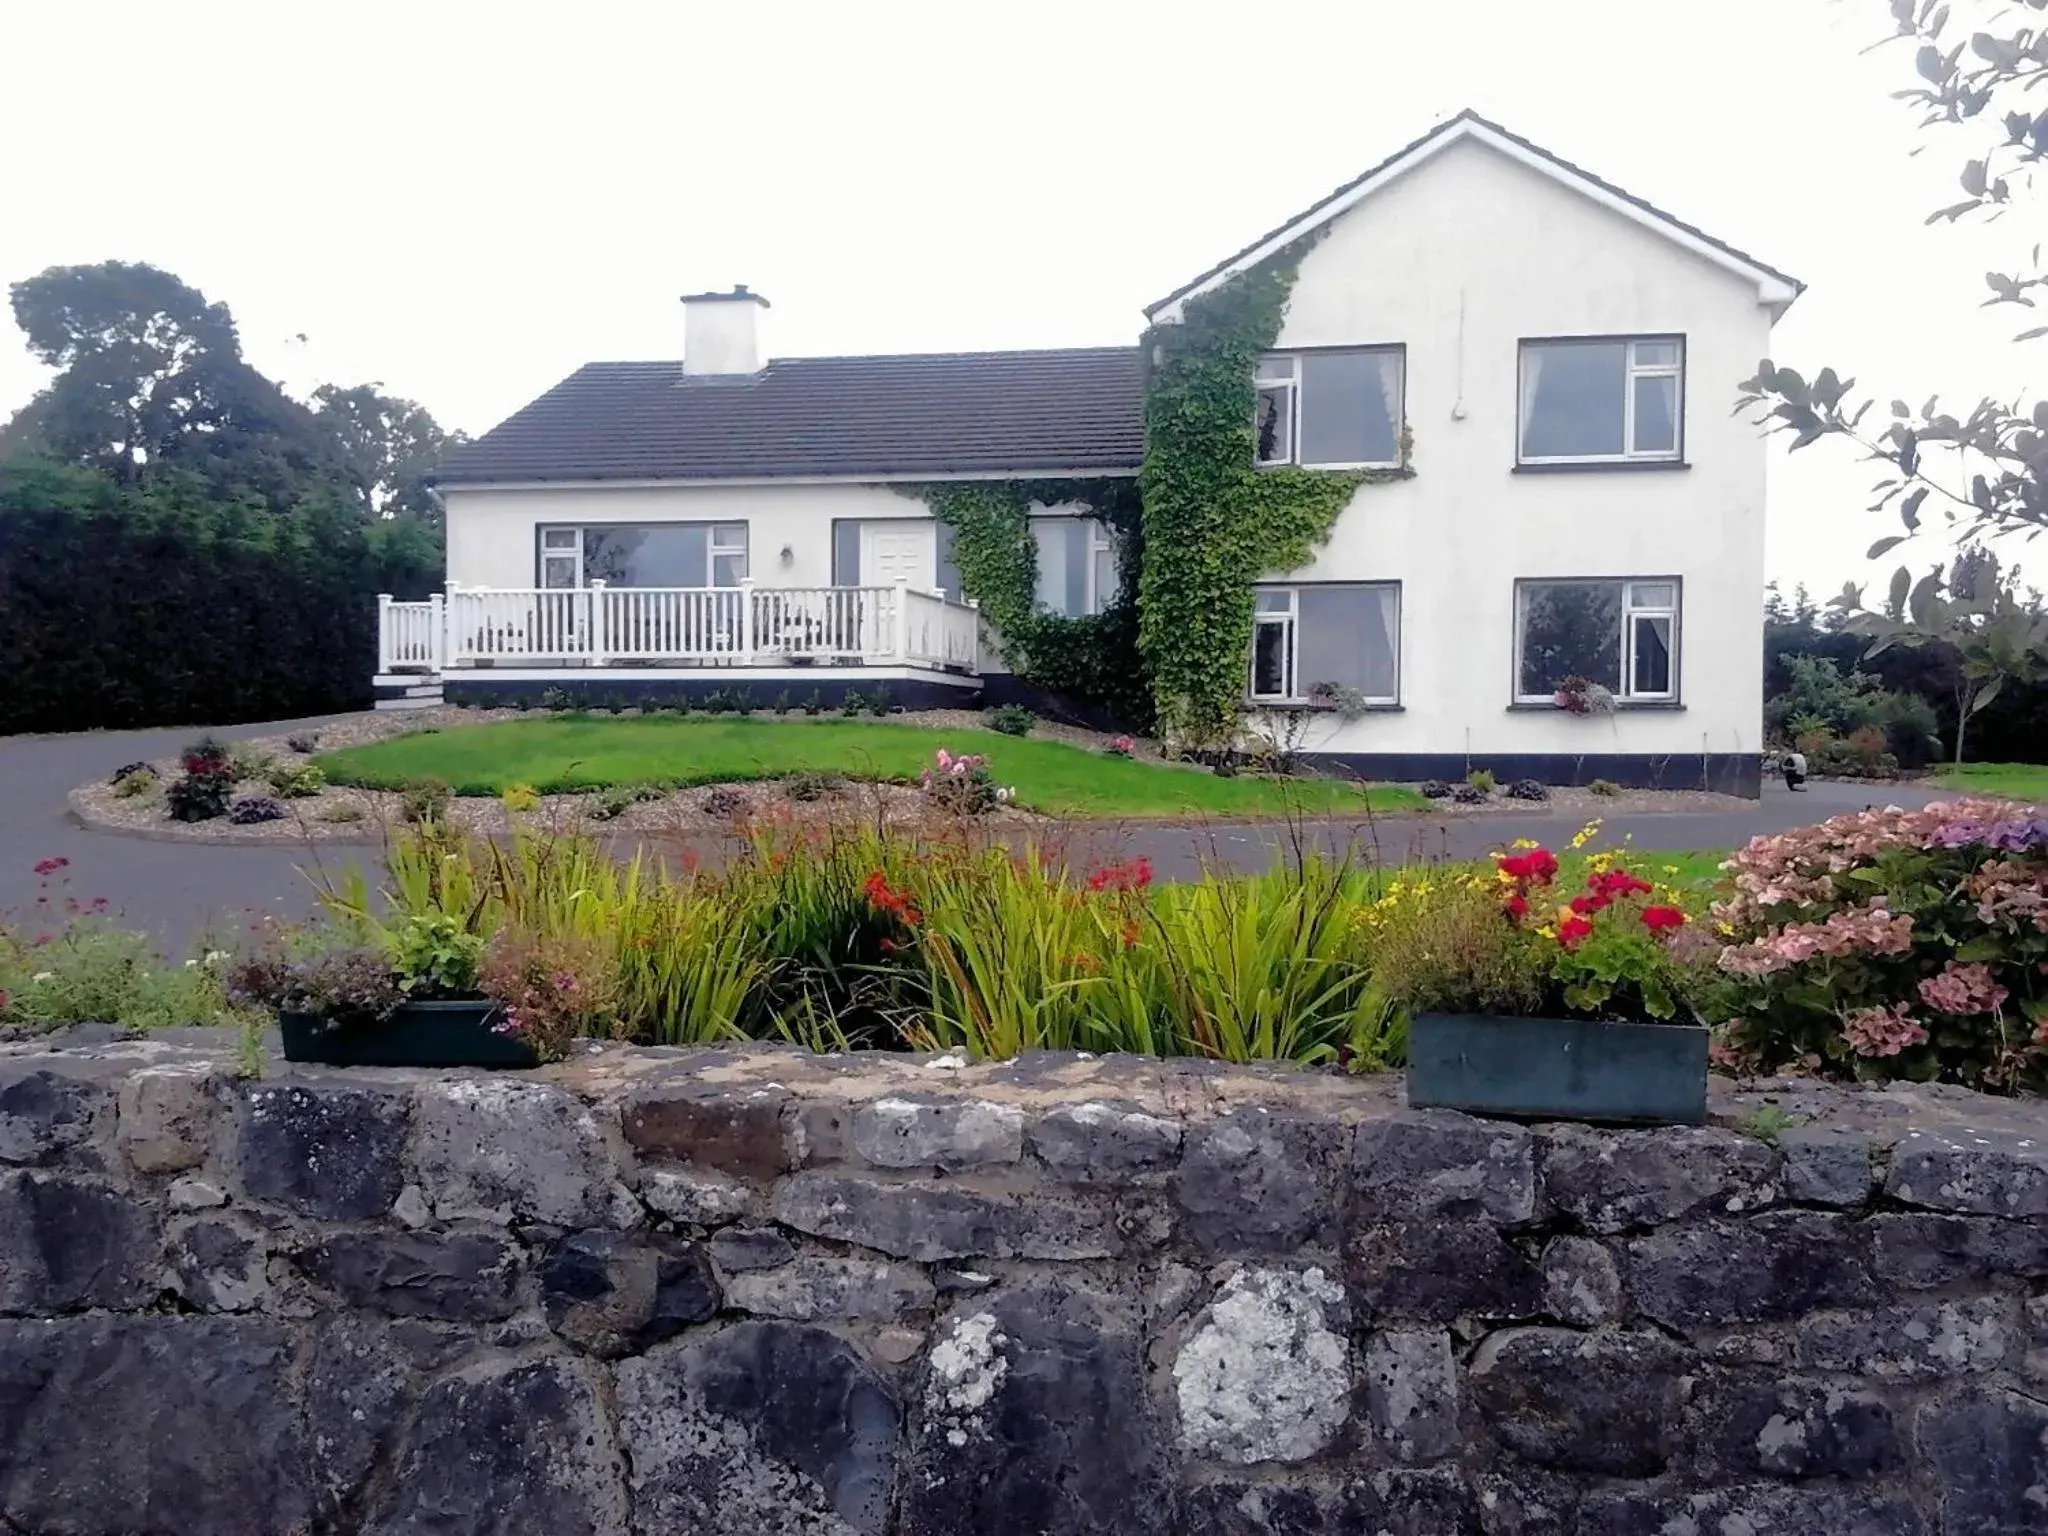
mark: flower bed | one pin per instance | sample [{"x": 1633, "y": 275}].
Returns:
[{"x": 1893, "y": 944}]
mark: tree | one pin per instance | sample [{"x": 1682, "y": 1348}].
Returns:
[
  {"x": 1985, "y": 471},
  {"x": 389, "y": 448},
  {"x": 150, "y": 377}
]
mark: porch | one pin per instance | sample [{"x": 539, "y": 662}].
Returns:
[{"x": 676, "y": 631}]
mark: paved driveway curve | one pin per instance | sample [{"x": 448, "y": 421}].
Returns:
[{"x": 182, "y": 891}]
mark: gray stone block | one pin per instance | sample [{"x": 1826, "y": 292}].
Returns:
[
  {"x": 1991, "y": 1172},
  {"x": 738, "y": 1250},
  {"x": 1259, "y": 1183},
  {"x": 509, "y": 1445},
  {"x": 221, "y": 1263},
  {"x": 1613, "y": 1182},
  {"x": 170, "y": 1116},
  {"x": 1923, "y": 1250},
  {"x": 737, "y": 1131},
  {"x": 1265, "y": 1372},
  {"x": 763, "y": 1426},
  {"x": 497, "y": 1150},
  {"x": 609, "y": 1293},
  {"x": 1781, "y": 1264},
  {"x": 1581, "y": 1283},
  {"x": 68, "y": 1243},
  {"x": 1098, "y": 1143},
  {"x": 928, "y": 1221},
  {"x": 1411, "y": 1394},
  {"x": 459, "y": 1277},
  {"x": 1989, "y": 1453},
  {"x": 1824, "y": 1167},
  {"x": 1926, "y": 1342},
  {"x": 820, "y": 1287},
  {"x": 962, "y": 1133},
  {"x": 48, "y": 1116},
  {"x": 1436, "y": 1162},
  {"x": 1606, "y": 1402},
  {"x": 334, "y": 1152},
  {"x": 1428, "y": 1271}
]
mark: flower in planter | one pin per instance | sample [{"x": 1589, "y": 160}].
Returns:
[
  {"x": 1582, "y": 696},
  {"x": 1573, "y": 928},
  {"x": 1535, "y": 865},
  {"x": 1664, "y": 919}
]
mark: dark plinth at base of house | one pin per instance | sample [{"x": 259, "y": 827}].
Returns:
[
  {"x": 1722, "y": 773},
  {"x": 1000, "y": 688},
  {"x": 822, "y": 687}
]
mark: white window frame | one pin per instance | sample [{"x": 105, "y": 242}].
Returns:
[
  {"x": 736, "y": 537},
  {"x": 1289, "y": 620},
  {"x": 1632, "y": 370},
  {"x": 1289, "y": 384},
  {"x": 1101, "y": 540},
  {"x": 1631, "y": 610}
]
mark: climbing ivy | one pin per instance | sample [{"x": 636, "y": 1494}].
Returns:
[
  {"x": 1214, "y": 522},
  {"x": 1092, "y": 658}
]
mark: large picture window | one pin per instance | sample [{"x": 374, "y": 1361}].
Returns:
[
  {"x": 1622, "y": 635},
  {"x": 1331, "y": 410},
  {"x": 644, "y": 555},
  {"x": 1345, "y": 636},
  {"x": 1607, "y": 401}
]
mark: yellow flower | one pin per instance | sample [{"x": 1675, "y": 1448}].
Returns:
[
  {"x": 1523, "y": 842},
  {"x": 1547, "y": 932},
  {"x": 1587, "y": 833},
  {"x": 1670, "y": 869}
]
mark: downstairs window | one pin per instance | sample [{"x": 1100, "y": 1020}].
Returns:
[
  {"x": 1622, "y": 635},
  {"x": 1344, "y": 635}
]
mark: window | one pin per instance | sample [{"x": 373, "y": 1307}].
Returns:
[
  {"x": 1622, "y": 635},
  {"x": 644, "y": 555},
  {"x": 1602, "y": 401},
  {"x": 1348, "y": 636},
  {"x": 1077, "y": 565},
  {"x": 1338, "y": 409}
]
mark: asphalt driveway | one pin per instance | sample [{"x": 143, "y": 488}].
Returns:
[{"x": 182, "y": 892}]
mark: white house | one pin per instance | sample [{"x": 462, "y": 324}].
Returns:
[{"x": 1560, "y": 356}]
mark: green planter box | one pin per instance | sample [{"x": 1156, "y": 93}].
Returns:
[
  {"x": 1559, "y": 1069},
  {"x": 457, "y": 1034}
]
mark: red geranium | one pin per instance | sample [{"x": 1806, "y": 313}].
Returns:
[
  {"x": 1586, "y": 906},
  {"x": 1516, "y": 907},
  {"x": 1617, "y": 882},
  {"x": 1573, "y": 931},
  {"x": 1663, "y": 919},
  {"x": 1537, "y": 864}
]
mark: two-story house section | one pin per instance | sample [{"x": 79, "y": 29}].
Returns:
[{"x": 1554, "y": 359}]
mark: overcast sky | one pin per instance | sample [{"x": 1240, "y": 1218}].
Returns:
[{"x": 466, "y": 201}]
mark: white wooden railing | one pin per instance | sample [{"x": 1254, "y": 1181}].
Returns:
[{"x": 745, "y": 625}]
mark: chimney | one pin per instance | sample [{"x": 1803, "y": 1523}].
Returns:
[{"x": 719, "y": 332}]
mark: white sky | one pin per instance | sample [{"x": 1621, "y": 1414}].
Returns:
[{"x": 466, "y": 201}]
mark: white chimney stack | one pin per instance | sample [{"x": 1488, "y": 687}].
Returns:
[{"x": 719, "y": 332}]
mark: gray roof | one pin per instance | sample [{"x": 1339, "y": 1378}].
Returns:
[{"x": 934, "y": 414}]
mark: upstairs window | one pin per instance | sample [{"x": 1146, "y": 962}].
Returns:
[
  {"x": 1331, "y": 409},
  {"x": 1600, "y": 402},
  {"x": 1622, "y": 635}
]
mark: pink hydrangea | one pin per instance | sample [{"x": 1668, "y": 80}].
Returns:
[
  {"x": 1882, "y": 1031},
  {"x": 1963, "y": 989},
  {"x": 1870, "y": 929}
]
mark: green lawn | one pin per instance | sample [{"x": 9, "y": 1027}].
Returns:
[
  {"x": 586, "y": 752},
  {"x": 2019, "y": 781}
]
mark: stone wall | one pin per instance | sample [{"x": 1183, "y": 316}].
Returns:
[{"x": 758, "y": 1292}]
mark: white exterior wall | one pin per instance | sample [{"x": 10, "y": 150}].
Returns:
[
  {"x": 492, "y": 538},
  {"x": 1460, "y": 260}
]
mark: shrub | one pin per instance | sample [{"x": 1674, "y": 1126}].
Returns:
[
  {"x": 246, "y": 762},
  {"x": 961, "y": 785},
  {"x": 1482, "y": 779},
  {"x": 1010, "y": 719},
  {"x": 1435, "y": 789},
  {"x": 882, "y": 703},
  {"x": 725, "y": 802},
  {"x": 252, "y": 809},
  {"x": 852, "y": 703},
  {"x": 814, "y": 703},
  {"x": 199, "y": 797},
  {"x": 435, "y": 955},
  {"x": 1892, "y": 944},
  {"x": 426, "y": 802},
  {"x": 304, "y": 742},
  {"x": 1527, "y": 789},
  {"x": 557, "y": 698},
  {"x": 1912, "y": 730},
  {"x": 295, "y": 781},
  {"x": 781, "y": 706},
  {"x": 1468, "y": 794},
  {"x": 612, "y": 803},
  {"x": 1607, "y": 789},
  {"x": 812, "y": 786},
  {"x": 520, "y": 798},
  {"x": 129, "y": 786},
  {"x": 132, "y": 771},
  {"x": 555, "y": 988},
  {"x": 1862, "y": 755}
]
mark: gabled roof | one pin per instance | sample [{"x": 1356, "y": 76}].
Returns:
[
  {"x": 1774, "y": 288},
  {"x": 901, "y": 417}
]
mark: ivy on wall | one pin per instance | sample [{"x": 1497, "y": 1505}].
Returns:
[
  {"x": 1214, "y": 522},
  {"x": 1092, "y": 658},
  {"x": 1196, "y": 530}
]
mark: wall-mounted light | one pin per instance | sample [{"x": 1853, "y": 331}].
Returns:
[{"x": 788, "y": 555}]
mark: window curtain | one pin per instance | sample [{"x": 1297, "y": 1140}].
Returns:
[
  {"x": 1391, "y": 364},
  {"x": 1532, "y": 380}
]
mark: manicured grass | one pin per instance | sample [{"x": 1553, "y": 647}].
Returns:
[
  {"x": 585, "y": 752},
  {"x": 2018, "y": 781}
]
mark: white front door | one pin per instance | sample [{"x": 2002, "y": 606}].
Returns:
[{"x": 893, "y": 552}]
